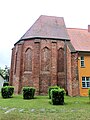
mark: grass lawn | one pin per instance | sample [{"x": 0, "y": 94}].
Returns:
[{"x": 40, "y": 108}]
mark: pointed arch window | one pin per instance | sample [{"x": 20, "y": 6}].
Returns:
[
  {"x": 15, "y": 63},
  {"x": 45, "y": 59},
  {"x": 60, "y": 60},
  {"x": 28, "y": 60}
]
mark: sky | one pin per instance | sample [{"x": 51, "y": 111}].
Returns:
[{"x": 17, "y": 16}]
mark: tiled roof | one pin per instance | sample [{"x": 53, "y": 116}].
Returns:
[
  {"x": 80, "y": 39},
  {"x": 47, "y": 27}
]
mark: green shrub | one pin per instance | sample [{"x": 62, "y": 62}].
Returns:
[
  {"x": 5, "y": 84},
  {"x": 28, "y": 92},
  {"x": 50, "y": 88},
  {"x": 89, "y": 93},
  {"x": 7, "y": 91},
  {"x": 57, "y": 96}
]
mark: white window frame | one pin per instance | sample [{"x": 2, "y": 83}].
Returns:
[
  {"x": 82, "y": 61},
  {"x": 86, "y": 82}
]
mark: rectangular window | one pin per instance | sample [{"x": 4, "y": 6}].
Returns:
[
  {"x": 82, "y": 61},
  {"x": 86, "y": 82}
]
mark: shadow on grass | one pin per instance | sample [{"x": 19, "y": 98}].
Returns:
[{"x": 57, "y": 104}]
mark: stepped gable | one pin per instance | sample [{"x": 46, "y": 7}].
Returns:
[{"x": 47, "y": 27}]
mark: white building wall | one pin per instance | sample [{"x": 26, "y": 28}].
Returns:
[{"x": 1, "y": 82}]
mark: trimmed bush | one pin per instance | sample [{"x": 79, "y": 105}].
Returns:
[
  {"x": 5, "y": 84},
  {"x": 7, "y": 91},
  {"x": 28, "y": 92},
  {"x": 50, "y": 88},
  {"x": 57, "y": 96}
]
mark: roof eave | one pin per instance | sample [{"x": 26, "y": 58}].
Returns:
[
  {"x": 41, "y": 37},
  {"x": 84, "y": 51}
]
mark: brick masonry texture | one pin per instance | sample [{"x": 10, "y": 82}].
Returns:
[{"x": 42, "y": 63}]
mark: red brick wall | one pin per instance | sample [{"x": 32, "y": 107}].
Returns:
[
  {"x": 12, "y": 67},
  {"x": 61, "y": 70},
  {"x": 74, "y": 74},
  {"x": 53, "y": 63},
  {"x": 69, "y": 77},
  {"x": 44, "y": 72}
]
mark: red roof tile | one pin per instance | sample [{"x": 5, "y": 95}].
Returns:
[
  {"x": 80, "y": 39},
  {"x": 47, "y": 27}
]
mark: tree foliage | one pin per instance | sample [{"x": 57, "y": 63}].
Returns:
[
  {"x": 2, "y": 72},
  {"x": 5, "y": 72}
]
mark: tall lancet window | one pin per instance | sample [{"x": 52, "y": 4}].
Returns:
[
  {"x": 60, "y": 60},
  {"x": 45, "y": 59},
  {"x": 15, "y": 62},
  {"x": 28, "y": 60}
]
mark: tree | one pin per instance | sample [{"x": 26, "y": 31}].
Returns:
[
  {"x": 5, "y": 73},
  {"x": 2, "y": 72}
]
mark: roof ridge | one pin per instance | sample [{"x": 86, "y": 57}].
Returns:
[
  {"x": 77, "y": 28},
  {"x": 51, "y": 16}
]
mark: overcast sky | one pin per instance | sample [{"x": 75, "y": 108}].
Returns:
[{"x": 16, "y": 17}]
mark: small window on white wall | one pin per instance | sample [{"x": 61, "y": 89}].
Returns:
[{"x": 82, "y": 61}]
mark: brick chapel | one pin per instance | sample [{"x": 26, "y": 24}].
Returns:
[{"x": 44, "y": 56}]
